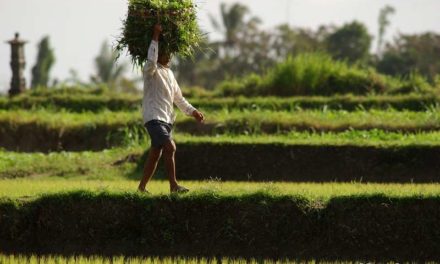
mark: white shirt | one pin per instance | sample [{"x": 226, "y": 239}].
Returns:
[{"x": 161, "y": 91}]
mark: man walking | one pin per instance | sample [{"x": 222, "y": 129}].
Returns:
[{"x": 161, "y": 92}]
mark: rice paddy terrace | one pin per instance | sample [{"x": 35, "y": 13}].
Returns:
[{"x": 299, "y": 179}]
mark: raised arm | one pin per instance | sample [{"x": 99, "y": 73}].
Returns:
[{"x": 153, "y": 52}]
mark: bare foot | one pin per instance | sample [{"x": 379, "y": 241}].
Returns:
[
  {"x": 143, "y": 191},
  {"x": 179, "y": 189}
]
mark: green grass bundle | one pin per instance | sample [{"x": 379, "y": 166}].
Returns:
[{"x": 180, "y": 36}]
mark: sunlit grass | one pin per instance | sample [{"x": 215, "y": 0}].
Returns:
[
  {"x": 252, "y": 120},
  {"x": 374, "y": 137},
  {"x": 31, "y": 188},
  {"x": 79, "y": 100},
  {"x": 87, "y": 164},
  {"x": 34, "y": 259},
  {"x": 122, "y": 162}
]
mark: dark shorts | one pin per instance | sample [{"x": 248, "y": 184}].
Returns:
[{"x": 160, "y": 132}]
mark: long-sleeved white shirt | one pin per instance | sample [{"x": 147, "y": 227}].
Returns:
[{"x": 161, "y": 91}]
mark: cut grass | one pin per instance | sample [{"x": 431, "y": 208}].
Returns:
[{"x": 30, "y": 189}]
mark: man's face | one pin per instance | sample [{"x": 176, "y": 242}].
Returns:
[{"x": 164, "y": 59}]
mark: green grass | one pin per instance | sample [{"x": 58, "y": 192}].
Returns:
[
  {"x": 256, "y": 121},
  {"x": 127, "y": 260},
  {"x": 33, "y": 188},
  {"x": 88, "y": 165},
  {"x": 34, "y": 259},
  {"x": 81, "y": 100},
  {"x": 67, "y": 119},
  {"x": 252, "y": 224},
  {"x": 376, "y": 138},
  {"x": 241, "y": 122},
  {"x": 100, "y": 165},
  {"x": 413, "y": 102},
  {"x": 319, "y": 74}
]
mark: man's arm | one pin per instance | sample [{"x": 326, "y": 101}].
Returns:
[
  {"x": 153, "y": 52},
  {"x": 186, "y": 107}
]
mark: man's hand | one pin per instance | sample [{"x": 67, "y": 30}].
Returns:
[
  {"x": 157, "y": 30},
  {"x": 198, "y": 116}
]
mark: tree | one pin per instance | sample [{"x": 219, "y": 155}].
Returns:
[
  {"x": 232, "y": 21},
  {"x": 198, "y": 70},
  {"x": 232, "y": 24},
  {"x": 107, "y": 70},
  {"x": 351, "y": 42},
  {"x": 294, "y": 41},
  {"x": 45, "y": 61},
  {"x": 412, "y": 53},
  {"x": 244, "y": 49},
  {"x": 384, "y": 22}
]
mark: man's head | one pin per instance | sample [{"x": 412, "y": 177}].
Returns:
[{"x": 164, "y": 58}]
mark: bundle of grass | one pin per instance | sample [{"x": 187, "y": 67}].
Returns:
[{"x": 180, "y": 36}]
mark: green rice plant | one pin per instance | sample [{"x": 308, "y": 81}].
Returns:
[{"x": 181, "y": 34}]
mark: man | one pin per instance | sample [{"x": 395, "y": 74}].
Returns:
[{"x": 161, "y": 92}]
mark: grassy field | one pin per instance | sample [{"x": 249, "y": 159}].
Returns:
[
  {"x": 88, "y": 186},
  {"x": 241, "y": 122},
  {"x": 87, "y": 164},
  {"x": 9, "y": 259},
  {"x": 33, "y": 188},
  {"x": 376, "y": 138},
  {"x": 395, "y": 224},
  {"x": 120, "y": 162},
  {"x": 83, "y": 102}
]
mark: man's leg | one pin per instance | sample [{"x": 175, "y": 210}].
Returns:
[
  {"x": 150, "y": 166},
  {"x": 169, "y": 151}
]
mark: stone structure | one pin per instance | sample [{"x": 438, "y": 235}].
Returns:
[{"x": 18, "y": 82}]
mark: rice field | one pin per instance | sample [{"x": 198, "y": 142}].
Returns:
[
  {"x": 331, "y": 119},
  {"x": 26, "y": 176}
]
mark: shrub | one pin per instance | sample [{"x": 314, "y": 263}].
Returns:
[
  {"x": 319, "y": 74},
  {"x": 414, "y": 83},
  {"x": 197, "y": 92},
  {"x": 249, "y": 86}
]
